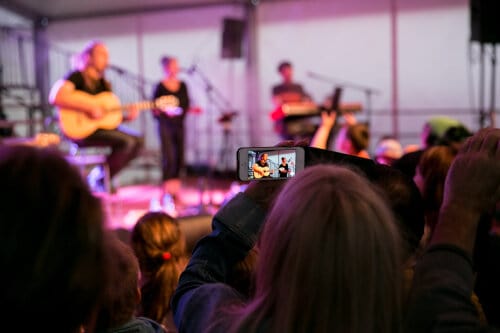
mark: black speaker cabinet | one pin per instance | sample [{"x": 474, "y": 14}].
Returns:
[
  {"x": 485, "y": 21},
  {"x": 232, "y": 38}
]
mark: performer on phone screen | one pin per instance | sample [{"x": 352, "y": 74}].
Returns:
[
  {"x": 283, "y": 168},
  {"x": 261, "y": 167}
]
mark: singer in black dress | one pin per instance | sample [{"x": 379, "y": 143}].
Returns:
[{"x": 170, "y": 123}]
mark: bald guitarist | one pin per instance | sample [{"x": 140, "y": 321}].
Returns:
[
  {"x": 261, "y": 167},
  {"x": 84, "y": 98}
]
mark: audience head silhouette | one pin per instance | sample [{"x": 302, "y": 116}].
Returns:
[
  {"x": 52, "y": 248},
  {"x": 353, "y": 139},
  {"x": 332, "y": 263},
  {"x": 405, "y": 200},
  {"x": 122, "y": 295}
]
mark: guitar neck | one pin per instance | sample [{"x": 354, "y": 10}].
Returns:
[{"x": 142, "y": 105}]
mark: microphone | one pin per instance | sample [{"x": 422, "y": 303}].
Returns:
[
  {"x": 190, "y": 70},
  {"x": 117, "y": 69},
  {"x": 311, "y": 74},
  {"x": 321, "y": 77}
]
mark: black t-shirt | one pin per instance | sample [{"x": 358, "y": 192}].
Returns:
[
  {"x": 293, "y": 127},
  {"x": 283, "y": 170},
  {"x": 181, "y": 96},
  {"x": 80, "y": 83},
  {"x": 288, "y": 88}
]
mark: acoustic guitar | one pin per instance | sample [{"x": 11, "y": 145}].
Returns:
[
  {"x": 259, "y": 172},
  {"x": 77, "y": 125}
]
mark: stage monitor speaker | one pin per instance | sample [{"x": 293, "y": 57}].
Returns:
[
  {"x": 485, "y": 21},
  {"x": 232, "y": 38}
]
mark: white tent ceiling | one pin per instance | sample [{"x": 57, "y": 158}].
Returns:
[
  {"x": 57, "y": 10},
  {"x": 62, "y": 10}
]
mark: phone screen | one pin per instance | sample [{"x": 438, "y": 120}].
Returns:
[{"x": 268, "y": 163}]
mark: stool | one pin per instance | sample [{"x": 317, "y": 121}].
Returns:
[
  {"x": 86, "y": 158},
  {"x": 87, "y": 164}
]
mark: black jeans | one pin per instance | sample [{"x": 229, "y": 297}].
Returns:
[
  {"x": 171, "y": 133},
  {"x": 125, "y": 146}
]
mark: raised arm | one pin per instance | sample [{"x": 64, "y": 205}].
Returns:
[
  {"x": 472, "y": 187},
  {"x": 320, "y": 138},
  {"x": 443, "y": 282},
  {"x": 201, "y": 287}
]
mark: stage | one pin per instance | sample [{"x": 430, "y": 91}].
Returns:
[{"x": 198, "y": 200}]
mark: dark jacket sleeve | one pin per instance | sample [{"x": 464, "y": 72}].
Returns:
[
  {"x": 201, "y": 289},
  {"x": 440, "y": 299}
]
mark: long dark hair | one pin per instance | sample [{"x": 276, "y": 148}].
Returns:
[
  {"x": 433, "y": 168},
  {"x": 122, "y": 294},
  {"x": 52, "y": 248},
  {"x": 331, "y": 263},
  {"x": 406, "y": 202},
  {"x": 359, "y": 135}
]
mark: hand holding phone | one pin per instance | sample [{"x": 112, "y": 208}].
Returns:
[{"x": 264, "y": 193}]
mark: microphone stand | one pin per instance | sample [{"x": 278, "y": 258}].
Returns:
[
  {"x": 211, "y": 90},
  {"x": 139, "y": 83},
  {"x": 215, "y": 98},
  {"x": 368, "y": 91}
]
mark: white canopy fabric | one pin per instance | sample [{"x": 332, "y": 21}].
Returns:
[{"x": 58, "y": 10}]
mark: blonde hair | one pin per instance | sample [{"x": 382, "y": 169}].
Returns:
[{"x": 79, "y": 60}]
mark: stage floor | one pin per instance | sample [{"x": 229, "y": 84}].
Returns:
[{"x": 198, "y": 196}]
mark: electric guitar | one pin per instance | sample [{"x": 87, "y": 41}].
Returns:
[
  {"x": 304, "y": 109},
  {"x": 303, "y": 118},
  {"x": 77, "y": 125}
]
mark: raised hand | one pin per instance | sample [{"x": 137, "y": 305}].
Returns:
[
  {"x": 328, "y": 119},
  {"x": 473, "y": 180},
  {"x": 472, "y": 187},
  {"x": 350, "y": 118}
]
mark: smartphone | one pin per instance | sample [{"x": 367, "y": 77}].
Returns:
[
  {"x": 322, "y": 156},
  {"x": 269, "y": 163}
]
